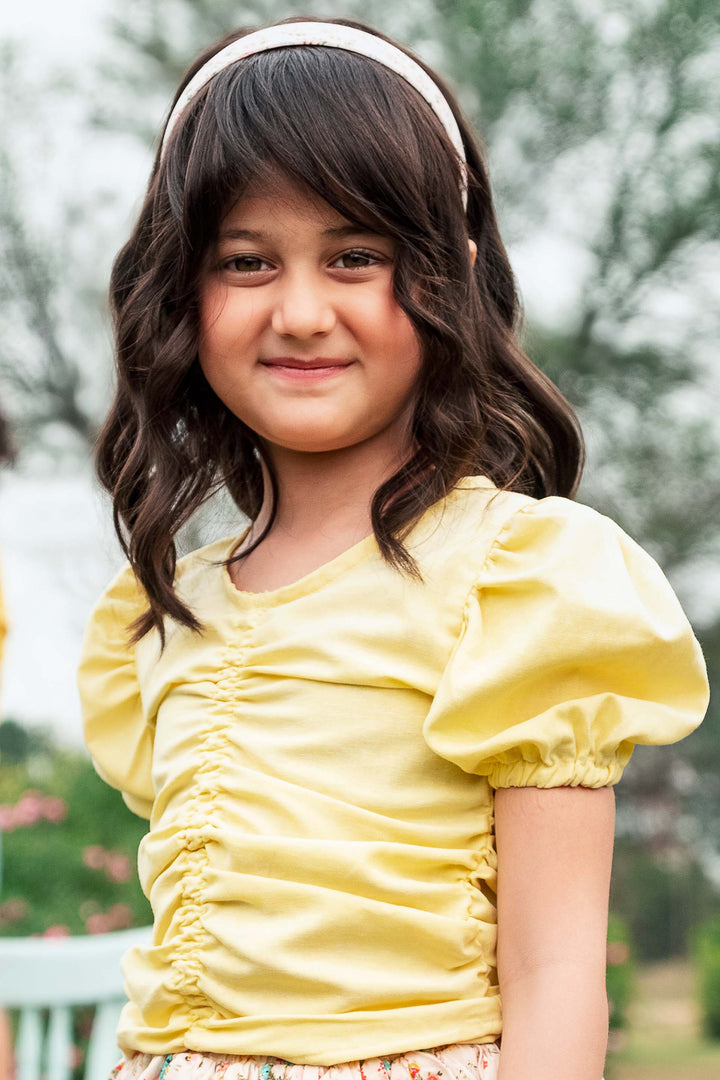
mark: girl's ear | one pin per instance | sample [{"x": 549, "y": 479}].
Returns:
[{"x": 473, "y": 251}]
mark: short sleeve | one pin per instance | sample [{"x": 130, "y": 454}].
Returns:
[
  {"x": 573, "y": 649},
  {"x": 116, "y": 733}
]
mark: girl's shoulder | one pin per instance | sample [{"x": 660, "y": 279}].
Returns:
[
  {"x": 465, "y": 533},
  {"x": 193, "y": 569},
  {"x": 124, "y": 597},
  {"x": 483, "y": 520}
]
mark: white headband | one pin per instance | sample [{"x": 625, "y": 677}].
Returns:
[{"x": 339, "y": 37}]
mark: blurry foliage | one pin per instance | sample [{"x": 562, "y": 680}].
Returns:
[
  {"x": 18, "y": 744},
  {"x": 660, "y": 902},
  {"x": 76, "y": 874},
  {"x": 619, "y": 971},
  {"x": 44, "y": 302},
  {"x": 706, "y": 954}
]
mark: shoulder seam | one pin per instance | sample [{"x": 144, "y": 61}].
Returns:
[
  {"x": 506, "y": 522},
  {"x": 532, "y": 504}
]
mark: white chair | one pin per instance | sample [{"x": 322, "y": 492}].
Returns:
[{"x": 58, "y": 974}]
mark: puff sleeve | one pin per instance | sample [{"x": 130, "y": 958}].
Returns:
[
  {"x": 116, "y": 733},
  {"x": 573, "y": 649}
]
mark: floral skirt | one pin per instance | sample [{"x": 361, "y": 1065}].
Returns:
[{"x": 457, "y": 1061}]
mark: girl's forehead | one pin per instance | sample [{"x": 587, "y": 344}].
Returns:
[
  {"x": 283, "y": 201},
  {"x": 274, "y": 202},
  {"x": 267, "y": 204}
]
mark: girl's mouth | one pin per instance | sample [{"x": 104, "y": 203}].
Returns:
[{"x": 306, "y": 374}]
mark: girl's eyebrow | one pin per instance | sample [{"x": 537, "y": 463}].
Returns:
[{"x": 255, "y": 234}]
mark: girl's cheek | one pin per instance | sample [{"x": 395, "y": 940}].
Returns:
[{"x": 213, "y": 299}]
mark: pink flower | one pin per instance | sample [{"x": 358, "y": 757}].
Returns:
[
  {"x": 97, "y": 924},
  {"x": 77, "y": 1056},
  {"x": 117, "y": 867},
  {"x": 56, "y": 931},
  {"x": 94, "y": 857},
  {"x": 54, "y": 808},
  {"x": 617, "y": 952},
  {"x": 120, "y": 916},
  {"x": 31, "y": 807},
  {"x": 13, "y": 910},
  {"x": 29, "y": 810}
]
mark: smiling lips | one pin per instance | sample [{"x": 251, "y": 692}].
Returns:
[
  {"x": 288, "y": 367},
  {"x": 306, "y": 365}
]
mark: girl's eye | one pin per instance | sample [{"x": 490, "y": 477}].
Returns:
[
  {"x": 243, "y": 263},
  {"x": 366, "y": 258}
]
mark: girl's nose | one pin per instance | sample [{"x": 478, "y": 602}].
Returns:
[{"x": 302, "y": 308}]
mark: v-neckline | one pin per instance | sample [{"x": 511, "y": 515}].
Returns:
[{"x": 309, "y": 582}]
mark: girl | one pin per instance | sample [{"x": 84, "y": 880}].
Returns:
[{"x": 375, "y": 734}]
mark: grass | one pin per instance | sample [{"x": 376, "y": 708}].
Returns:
[{"x": 663, "y": 1040}]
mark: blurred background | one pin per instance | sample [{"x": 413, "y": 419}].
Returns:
[{"x": 601, "y": 121}]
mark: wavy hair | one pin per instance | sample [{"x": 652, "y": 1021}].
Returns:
[{"x": 380, "y": 157}]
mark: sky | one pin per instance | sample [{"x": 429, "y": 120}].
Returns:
[
  {"x": 57, "y": 550},
  {"x": 52, "y": 28}
]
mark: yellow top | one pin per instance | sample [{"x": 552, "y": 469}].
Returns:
[{"x": 318, "y": 767}]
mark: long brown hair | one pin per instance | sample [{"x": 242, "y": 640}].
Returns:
[{"x": 363, "y": 139}]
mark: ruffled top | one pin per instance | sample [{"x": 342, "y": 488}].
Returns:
[{"x": 318, "y": 767}]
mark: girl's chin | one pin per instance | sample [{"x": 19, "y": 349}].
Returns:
[
  {"x": 296, "y": 427},
  {"x": 311, "y": 440},
  {"x": 313, "y": 446}
]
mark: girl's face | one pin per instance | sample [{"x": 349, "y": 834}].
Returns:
[{"x": 291, "y": 280}]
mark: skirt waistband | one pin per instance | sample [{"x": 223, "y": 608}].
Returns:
[{"x": 456, "y": 1061}]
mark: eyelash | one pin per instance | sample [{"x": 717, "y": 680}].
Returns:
[{"x": 227, "y": 263}]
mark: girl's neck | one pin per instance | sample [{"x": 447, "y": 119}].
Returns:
[{"x": 326, "y": 494}]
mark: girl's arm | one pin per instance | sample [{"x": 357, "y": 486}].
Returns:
[{"x": 554, "y": 849}]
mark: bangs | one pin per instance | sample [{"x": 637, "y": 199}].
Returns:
[{"x": 341, "y": 125}]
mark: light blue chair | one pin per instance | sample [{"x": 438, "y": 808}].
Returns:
[{"x": 59, "y": 974}]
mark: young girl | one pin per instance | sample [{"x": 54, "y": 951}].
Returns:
[{"x": 375, "y": 733}]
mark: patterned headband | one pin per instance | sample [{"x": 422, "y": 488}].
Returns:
[{"x": 339, "y": 37}]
